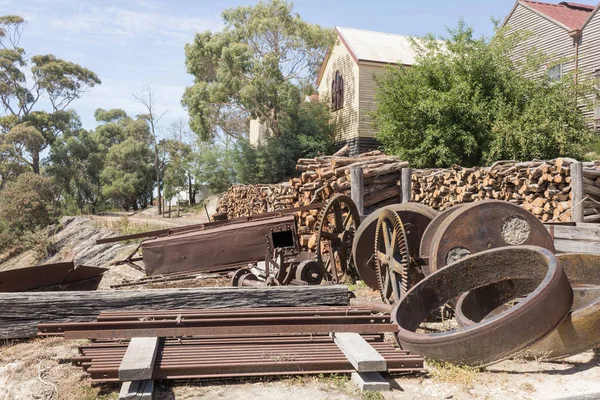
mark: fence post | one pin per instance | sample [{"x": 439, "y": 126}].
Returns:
[
  {"x": 357, "y": 190},
  {"x": 406, "y": 181},
  {"x": 577, "y": 189}
]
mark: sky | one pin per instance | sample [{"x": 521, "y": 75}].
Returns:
[{"x": 135, "y": 44}]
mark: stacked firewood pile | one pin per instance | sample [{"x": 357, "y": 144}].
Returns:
[
  {"x": 324, "y": 176},
  {"x": 245, "y": 200},
  {"x": 591, "y": 191},
  {"x": 321, "y": 178},
  {"x": 541, "y": 187}
]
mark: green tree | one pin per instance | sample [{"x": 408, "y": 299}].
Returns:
[
  {"x": 307, "y": 133},
  {"x": 465, "y": 102},
  {"x": 56, "y": 80},
  {"x": 26, "y": 204},
  {"x": 257, "y": 66},
  {"x": 177, "y": 164},
  {"x": 76, "y": 161},
  {"x": 127, "y": 176}
]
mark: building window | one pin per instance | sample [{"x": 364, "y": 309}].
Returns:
[
  {"x": 554, "y": 72},
  {"x": 337, "y": 92}
]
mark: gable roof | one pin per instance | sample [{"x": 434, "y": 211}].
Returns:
[
  {"x": 371, "y": 46},
  {"x": 378, "y": 47},
  {"x": 596, "y": 10},
  {"x": 568, "y": 15}
]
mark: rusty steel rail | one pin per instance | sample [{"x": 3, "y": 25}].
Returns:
[
  {"x": 229, "y": 322},
  {"x": 220, "y": 358}
]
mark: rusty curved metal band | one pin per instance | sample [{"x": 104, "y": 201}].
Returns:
[
  {"x": 496, "y": 338},
  {"x": 418, "y": 215},
  {"x": 485, "y": 225},
  {"x": 432, "y": 228},
  {"x": 577, "y": 333}
]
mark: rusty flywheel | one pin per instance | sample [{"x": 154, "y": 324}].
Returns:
[{"x": 337, "y": 222}]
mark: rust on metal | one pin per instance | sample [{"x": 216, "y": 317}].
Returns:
[
  {"x": 416, "y": 217},
  {"x": 482, "y": 226},
  {"x": 496, "y": 338},
  {"x": 577, "y": 333},
  {"x": 229, "y": 244},
  {"x": 38, "y": 276},
  {"x": 241, "y": 357},
  {"x": 207, "y": 225},
  {"x": 336, "y": 224},
  {"x": 425, "y": 246}
]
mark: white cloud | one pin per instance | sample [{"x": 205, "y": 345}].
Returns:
[{"x": 112, "y": 23}]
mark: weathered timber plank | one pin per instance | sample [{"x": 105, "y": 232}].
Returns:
[
  {"x": 137, "y": 390},
  {"x": 138, "y": 361},
  {"x": 576, "y": 246},
  {"x": 372, "y": 381},
  {"x": 21, "y": 312},
  {"x": 588, "y": 233},
  {"x": 362, "y": 356}
]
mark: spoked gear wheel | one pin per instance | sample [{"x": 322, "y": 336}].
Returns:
[
  {"x": 336, "y": 225},
  {"x": 392, "y": 260}
]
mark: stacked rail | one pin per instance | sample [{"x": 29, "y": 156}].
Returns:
[{"x": 243, "y": 356}]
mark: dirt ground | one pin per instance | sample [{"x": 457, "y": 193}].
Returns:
[{"x": 41, "y": 369}]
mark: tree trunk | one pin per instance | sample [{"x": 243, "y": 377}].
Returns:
[
  {"x": 191, "y": 191},
  {"x": 156, "y": 165},
  {"x": 35, "y": 162}
]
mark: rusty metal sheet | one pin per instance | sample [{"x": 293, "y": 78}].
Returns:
[
  {"x": 232, "y": 244},
  {"x": 496, "y": 338},
  {"x": 29, "y": 278}
]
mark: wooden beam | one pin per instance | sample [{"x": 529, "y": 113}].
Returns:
[
  {"x": 137, "y": 390},
  {"x": 577, "y": 189},
  {"x": 138, "y": 361},
  {"x": 357, "y": 188},
  {"x": 362, "y": 356},
  {"x": 372, "y": 381},
  {"x": 406, "y": 183},
  {"x": 21, "y": 312}
]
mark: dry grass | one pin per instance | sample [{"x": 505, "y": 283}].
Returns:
[{"x": 451, "y": 373}]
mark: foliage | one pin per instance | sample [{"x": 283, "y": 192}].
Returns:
[
  {"x": 307, "y": 133},
  {"x": 26, "y": 204},
  {"x": 257, "y": 67},
  {"x": 214, "y": 165},
  {"x": 60, "y": 82},
  {"x": 177, "y": 165},
  {"x": 465, "y": 102},
  {"x": 76, "y": 161},
  {"x": 127, "y": 173}
]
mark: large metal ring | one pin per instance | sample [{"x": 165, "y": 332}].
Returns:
[
  {"x": 485, "y": 225},
  {"x": 577, "y": 333},
  {"x": 496, "y": 338},
  {"x": 415, "y": 214}
]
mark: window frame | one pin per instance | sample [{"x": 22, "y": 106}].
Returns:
[
  {"x": 337, "y": 91},
  {"x": 550, "y": 72}
]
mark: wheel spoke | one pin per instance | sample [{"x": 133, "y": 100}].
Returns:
[
  {"x": 337, "y": 213},
  {"x": 386, "y": 236},
  {"x": 329, "y": 235},
  {"x": 395, "y": 266},
  {"x": 383, "y": 258},
  {"x": 348, "y": 220},
  {"x": 395, "y": 286}
]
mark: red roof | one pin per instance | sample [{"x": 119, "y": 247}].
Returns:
[{"x": 572, "y": 15}]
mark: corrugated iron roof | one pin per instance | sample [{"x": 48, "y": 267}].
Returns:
[
  {"x": 377, "y": 46},
  {"x": 571, "y": 15}
]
